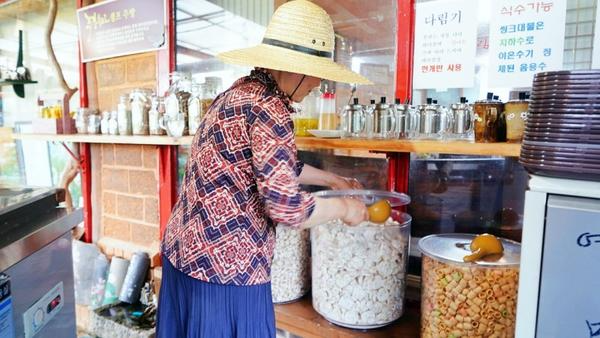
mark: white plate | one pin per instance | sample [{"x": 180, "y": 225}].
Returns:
[{"x": 326, "y": 133}]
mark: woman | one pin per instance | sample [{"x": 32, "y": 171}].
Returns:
[{"x": 242, "y": 178}]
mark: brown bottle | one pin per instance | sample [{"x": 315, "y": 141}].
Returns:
[
  {"x": 487, "y": 113},
  {"x": 516, "y": 115},
  {"x": 501, "y": 129}
]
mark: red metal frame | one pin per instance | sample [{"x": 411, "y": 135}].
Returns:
[
  {"x": 86, "y": 189},
  {"x": 85, "y": 153},
  {"x": 167, "y": 168},
  {"x": 399, "y": 163},
  {"x": 167, "y": 155}
]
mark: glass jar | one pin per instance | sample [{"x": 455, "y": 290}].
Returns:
[
  {"x": 157, "y": 110},
  {"x": 404, "y": 114},
  {"x": 210, "y": 90},
  {"x": 307, "y": 117},
  {"x": 124, "y": 115},
  {"x": 81, "y": 120},
  {"x": 328, "y": 119},
  {"x": 487, "y": 115},
  {"x": 290, "y": 270},
  {"x": 177, "y": 98},
  {"x": 359, "y": 272},
  {"x": 140, "y": 106},
  {"x": 435, "y": 121},
  {"x": 184, "y": 92},
  {"x": 93, "y": 124},
  {"x": 104, "y": 123},
  {"x": 174, "y": 125},
  {"x": 463, "y": 120},
  {"x": 383, "y": 120},
  {"x": 353, "y": 120},
  {"x": 113, "y": 123},
  {"x": 516, "y": 116},
  {"x": 194, "y": 109},
  {"x": 460, "y": 299}
]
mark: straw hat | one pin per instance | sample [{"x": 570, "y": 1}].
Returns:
[{"x": 299, "y": 39}]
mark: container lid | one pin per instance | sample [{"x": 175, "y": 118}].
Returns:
[
  {"x": 368, "y": 196},
  {"x": 453, "y": 247}
]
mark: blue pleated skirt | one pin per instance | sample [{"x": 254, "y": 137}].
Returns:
[{"x": 190, "y": 308}]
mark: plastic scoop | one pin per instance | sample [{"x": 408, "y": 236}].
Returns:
[
  {"x": 484, "y": 245},
  {"x": 380, "y": 211}
]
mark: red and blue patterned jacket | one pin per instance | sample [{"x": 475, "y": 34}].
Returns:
[{"x": 240, "y": 179}]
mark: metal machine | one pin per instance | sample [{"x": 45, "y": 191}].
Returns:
[
  {"x": 560, "y": 269},
  {"x": 36, "y": 267}
]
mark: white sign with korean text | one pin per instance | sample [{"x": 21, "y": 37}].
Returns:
[
  {"x": 596, "y": 46},
  {"x": 526, "y": 37},
  {"x": 445, "y": 42}
]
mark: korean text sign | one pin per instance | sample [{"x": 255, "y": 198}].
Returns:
[
  {"x": 120, "y": 27},
  {"x": 445, "y": 44},
  {"x": 526, "y": 37}
]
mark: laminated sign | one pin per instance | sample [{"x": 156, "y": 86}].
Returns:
[
  {"x": 526, "y": 37},
  {"x": 121, "y": 27},
  {"x": 445, "y": 44}
]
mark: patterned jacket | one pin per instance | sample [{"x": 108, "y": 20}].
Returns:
[{"x": 240, "y": 179}]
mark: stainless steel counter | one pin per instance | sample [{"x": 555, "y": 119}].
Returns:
[{"x": 19, "y": 242}]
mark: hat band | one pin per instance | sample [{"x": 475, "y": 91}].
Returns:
[{"x": 297, "y": 48}]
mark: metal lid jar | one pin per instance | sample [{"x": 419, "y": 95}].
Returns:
[
  {"x": 383, "y": 120},
  {"x": 461, "y": 299},
  {"x": 359, "y": 272},
  {"x": 353, "y": 120}
]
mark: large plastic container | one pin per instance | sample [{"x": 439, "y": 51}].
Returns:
[
  {"x": 461, "y": 299},
  {"x": 359, "y": 272},
  {"x": 290, "y": 270}
]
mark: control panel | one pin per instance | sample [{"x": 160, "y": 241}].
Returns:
[{"x": 40, "y": 313}]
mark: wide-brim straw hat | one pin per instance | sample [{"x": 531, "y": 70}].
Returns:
[{"x": 299, "y": 39}]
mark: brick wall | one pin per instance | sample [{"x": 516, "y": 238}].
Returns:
[
  {"x": 118, "y": 76},
  {"x": 128, "y": 189},
  {"x": 130, "y": 193}
]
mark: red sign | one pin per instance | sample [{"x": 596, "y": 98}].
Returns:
[{"x": 121, "y": 27}]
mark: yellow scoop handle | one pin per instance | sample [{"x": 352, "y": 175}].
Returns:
[{"x": 476, "y": 255}]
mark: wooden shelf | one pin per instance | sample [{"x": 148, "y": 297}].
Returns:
[
  {"x": 412, "y": 146},
  {"x": 346, "y": 147},
  {"x": 15, "y": 82},
  {"x": 301, "y": 319},
  {"x": 87, "y": 138}
]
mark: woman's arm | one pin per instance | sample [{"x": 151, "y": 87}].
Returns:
[
  {"x": 350, "y": 211},
  {"x": 313, "y": 176}
]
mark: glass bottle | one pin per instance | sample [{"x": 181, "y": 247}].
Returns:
[
  {"x": 194, "y": 109},
  {"x": 184, "y": 92},
  {"x": 157, "y": 109},
  {"x": 104, "y": 123},
  {"x": 210, "y": 90},
  {"x": 140, "y": 106},
  {"x": 328, "y": 119},
  {"x": 113, "y": 124},
  {"x": 124, "y": 115}
]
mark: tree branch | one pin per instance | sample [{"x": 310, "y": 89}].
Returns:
[{"x": 52, "y": 10}]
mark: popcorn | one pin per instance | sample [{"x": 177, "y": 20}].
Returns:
[
  {"x": 290, "y": 270},
  {"x": 358, "y": 273}
]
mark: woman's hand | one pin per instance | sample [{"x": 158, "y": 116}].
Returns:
[
  {"x": 344, "y": 183},
  {"x": 356, "y": 212},
  {"x": 313, "y": 176}
]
